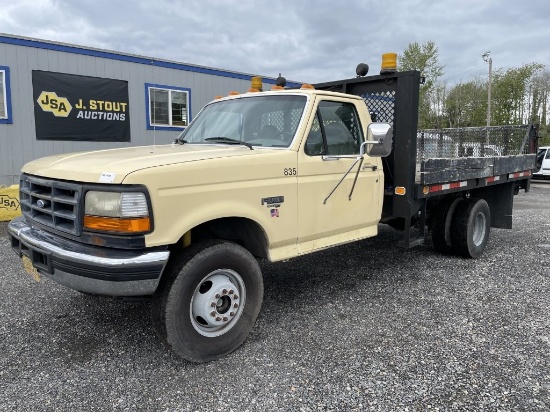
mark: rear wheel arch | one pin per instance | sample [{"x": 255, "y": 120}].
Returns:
[{"x": 441, "y": 222}]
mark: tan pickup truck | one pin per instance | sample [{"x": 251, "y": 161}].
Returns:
[{"x": 261, "y": 175}]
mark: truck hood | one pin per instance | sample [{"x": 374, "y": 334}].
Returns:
[{"x": 113, "y": 165}]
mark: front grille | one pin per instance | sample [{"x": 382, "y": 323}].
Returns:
[{"x": 52, "y": 203}]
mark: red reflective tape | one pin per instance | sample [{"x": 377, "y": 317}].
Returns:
[
  {"x": 519, "y": 174},
  {"x": 446, "y": 186},
  {"x": 455, "y": 185},
  {"x": 492, "y": 179}
]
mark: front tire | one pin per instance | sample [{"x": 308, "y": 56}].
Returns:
[
  {"x": 209, "y": 301},
  {"x": 470, "y": 228}
]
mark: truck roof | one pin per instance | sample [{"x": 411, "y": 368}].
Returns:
[{"x": 292, "y": 91}]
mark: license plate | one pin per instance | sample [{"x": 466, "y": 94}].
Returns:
[{"x": 30, "y": 269}]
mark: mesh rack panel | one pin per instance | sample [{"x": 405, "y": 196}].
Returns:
[
  {"x": 381, "y": 106},
  {"x": 491, "y": 141}
]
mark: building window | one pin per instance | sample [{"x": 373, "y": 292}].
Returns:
[
  {"x": 168, "y": 108},
  {"x": 5, "y": 97}
]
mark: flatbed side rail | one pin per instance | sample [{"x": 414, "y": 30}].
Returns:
[{"x": 447, "y": 155}]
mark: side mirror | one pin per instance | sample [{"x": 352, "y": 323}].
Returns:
[{"x": 382, "y": 140}]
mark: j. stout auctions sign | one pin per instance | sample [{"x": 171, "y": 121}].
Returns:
[{"x": 71, "y": 107}]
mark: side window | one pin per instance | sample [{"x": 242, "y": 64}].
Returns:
[
  {"x": 547, "y": 153},
  {"x": 335, "y": 130}
]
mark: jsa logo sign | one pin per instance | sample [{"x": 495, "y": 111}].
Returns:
[
  {"x": 7, "y": 202},
  {"x": 51, "y": 102}
]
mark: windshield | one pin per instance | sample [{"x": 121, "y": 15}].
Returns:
[{"x": 267, "y": 121}]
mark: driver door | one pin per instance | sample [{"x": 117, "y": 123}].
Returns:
[{"x": 332, "y": 147}]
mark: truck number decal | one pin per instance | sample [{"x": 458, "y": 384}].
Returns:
[{"x": 290, "y": 171}]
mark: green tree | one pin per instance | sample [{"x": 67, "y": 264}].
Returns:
[
  {"x": 466, "y": 104},
  {"x": 510, "y": 94},
  {"x": 540, "y": 105},
  {"x": 425, "y": 58}
]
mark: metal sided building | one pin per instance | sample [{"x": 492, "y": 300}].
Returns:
[{"x": 59, "y": 98}]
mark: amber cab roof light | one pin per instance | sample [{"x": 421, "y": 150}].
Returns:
[
  {"x": 256, "y": 83},
  {"x": 389, "y": 63}
]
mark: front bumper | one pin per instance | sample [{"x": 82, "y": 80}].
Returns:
[{"x": 97, "y": 270}]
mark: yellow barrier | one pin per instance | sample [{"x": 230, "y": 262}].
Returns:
[{"x": 9, "y": 202}]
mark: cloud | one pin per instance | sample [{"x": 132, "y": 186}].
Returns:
[{"x": 305, "y": 40}]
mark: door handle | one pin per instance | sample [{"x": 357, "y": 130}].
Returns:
[{"x": 372, "y": 167}]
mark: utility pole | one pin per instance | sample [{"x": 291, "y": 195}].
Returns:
[{"x": 489, "y": 60}]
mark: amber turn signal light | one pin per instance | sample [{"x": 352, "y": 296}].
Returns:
[{"x": 113, "y": 224}]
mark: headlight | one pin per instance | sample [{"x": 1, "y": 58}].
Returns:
[{"x": 125, "y": 212}]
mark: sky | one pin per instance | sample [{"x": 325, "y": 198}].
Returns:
[{"x": 305, "y": 40}]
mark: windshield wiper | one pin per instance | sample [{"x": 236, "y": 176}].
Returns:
[
  {"x": 223, "y": 139},
  {"x": 178, "y": 141}
]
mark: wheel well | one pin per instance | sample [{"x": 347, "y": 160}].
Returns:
[
  {"x": 242, "y": 231},
  {"x": 434, "y": 204},
  {"x": 500, "y": 199}
]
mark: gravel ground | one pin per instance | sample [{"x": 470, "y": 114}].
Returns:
[{"x": 366, "y": 326}]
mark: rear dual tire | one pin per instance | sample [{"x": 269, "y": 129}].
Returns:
[
  {"x": 470, "y": 228},
  {"x": 462, "y": 226}
]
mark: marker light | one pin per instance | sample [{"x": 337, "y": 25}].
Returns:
[
  {"x": 253, "y": 90},
  {"x": 400, "y": 190},
  {"x": 217, "y": 97},
  {"x": 275, "y": 87},
  {"x": 389, "y": 63},
  {"x": 233, "y": 93},
  {"x": 307, "y": 86}
]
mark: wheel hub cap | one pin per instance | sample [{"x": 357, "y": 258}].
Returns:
[
  {"x": 217, "y": 302},
  {"x": 479, "y": 229}
]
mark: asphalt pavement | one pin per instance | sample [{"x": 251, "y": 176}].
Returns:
[{"x": 366, "y": 326}]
